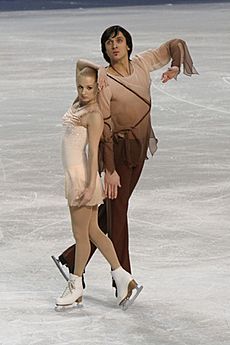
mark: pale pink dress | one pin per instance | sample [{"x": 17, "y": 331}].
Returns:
[{"x": 74, "y": 156}]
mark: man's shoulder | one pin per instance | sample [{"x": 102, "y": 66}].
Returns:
[{"x": 140, "y": 63}]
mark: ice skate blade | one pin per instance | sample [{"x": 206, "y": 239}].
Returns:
[
  {"x": 127, "y": 302},
  {"x": 58, "y": 264},
  {"x": 61, "y": 308},
  {"x": 76, "y": 305}
]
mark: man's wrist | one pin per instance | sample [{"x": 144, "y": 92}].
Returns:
[{"x": 174, "y": 68}]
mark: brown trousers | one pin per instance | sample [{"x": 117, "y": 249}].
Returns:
[{"x": 113, "y": 213}]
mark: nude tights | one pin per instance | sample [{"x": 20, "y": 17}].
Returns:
[{"x": 85, "y": 229}]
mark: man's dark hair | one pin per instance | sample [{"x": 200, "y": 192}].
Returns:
[{"x": 112, "y": 31}]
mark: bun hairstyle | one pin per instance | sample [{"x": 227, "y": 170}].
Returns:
[
  {"x": 88, "y": 72},
  {"x": 112, "y": 31}
]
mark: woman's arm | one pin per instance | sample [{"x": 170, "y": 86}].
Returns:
[
  {"x": 82, "y": 63},
  {"x": 94, "y": 128},
  {"x": 101, "y": 71},
  {"x": 111, "y": 178}
]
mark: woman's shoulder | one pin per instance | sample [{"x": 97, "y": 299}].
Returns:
[
  {"x": 94, "y": 111},
  {"x": 86, "y": 109},
  {"x": 81, "y": 115},
  {"x": 91, "y": 114}
]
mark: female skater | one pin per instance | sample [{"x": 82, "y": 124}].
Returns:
[{"x": 84, "y": 126}]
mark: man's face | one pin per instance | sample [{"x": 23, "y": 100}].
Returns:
[{"x": 116, "y": 48}]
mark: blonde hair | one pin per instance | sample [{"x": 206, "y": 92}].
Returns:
[{"x": 88, "y": 72}]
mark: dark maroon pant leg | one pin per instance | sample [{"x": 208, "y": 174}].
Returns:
[
  {"x": 119, "y": 219},
  {"x": 119, "y": 209}
]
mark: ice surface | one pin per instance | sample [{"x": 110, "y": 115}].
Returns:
[{"x": 179, "y": 213}]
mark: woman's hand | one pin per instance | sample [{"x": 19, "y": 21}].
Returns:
[
  {"x": 112, "y": 182},
  {"x": 85, "y": 196},
  {"x": 171, "y": 73},
  {"x": 102, "y": 79}
]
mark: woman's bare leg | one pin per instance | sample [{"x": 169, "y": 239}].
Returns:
[
  {"x": 101, "y": 241},
  {"x": 81, "y": 218}
]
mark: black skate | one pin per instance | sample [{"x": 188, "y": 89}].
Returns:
[{"x": 59, "y": 266}]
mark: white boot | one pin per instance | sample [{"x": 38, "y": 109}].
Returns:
[
  {"x": 127, "y": 288},
  {"x": 72, "y": 293}
]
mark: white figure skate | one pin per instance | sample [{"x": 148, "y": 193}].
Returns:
[
  {"x": 127, "y": 288},
  {"x": 72, "y": 295}
]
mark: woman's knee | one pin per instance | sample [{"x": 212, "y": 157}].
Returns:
[
  {"x": 81, "y": 235},
  {"x": 94, "y": 233}
]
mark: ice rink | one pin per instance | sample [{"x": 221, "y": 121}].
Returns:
[{"x": 179, "y": 214}]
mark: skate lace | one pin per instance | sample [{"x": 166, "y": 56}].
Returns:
[{"x": 68, "y": 290}]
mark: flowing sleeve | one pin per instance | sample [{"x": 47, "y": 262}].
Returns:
[
  {"x": 106, "y": 159},
  {"x": 180, "y": 56},
  {"x": 175, "y": 50}
]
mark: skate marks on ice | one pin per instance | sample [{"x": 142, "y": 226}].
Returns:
[
  {"x": 30, "y": 318},
  {"x": 38, "y": 324},
  {"x": 165, "y": 323},
  {"x": 162, "y": 87},
  {"x": 189, "y": 210},
  {"x": 226, "y": 80},
  {"x": 3, "y": 171}
]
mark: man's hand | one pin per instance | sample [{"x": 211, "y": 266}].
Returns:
[
  {"x": 169, "y": 74},
  {"x": 112, "y": 182}
]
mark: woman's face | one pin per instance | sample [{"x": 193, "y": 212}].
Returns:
[
  {"x": 116, "y": 48},
  {"x": 87, "y": 89}
]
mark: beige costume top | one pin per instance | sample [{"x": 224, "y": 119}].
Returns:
[
  {"x": 74, "y": 156},
  {"x": 125, "y": 104}
]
